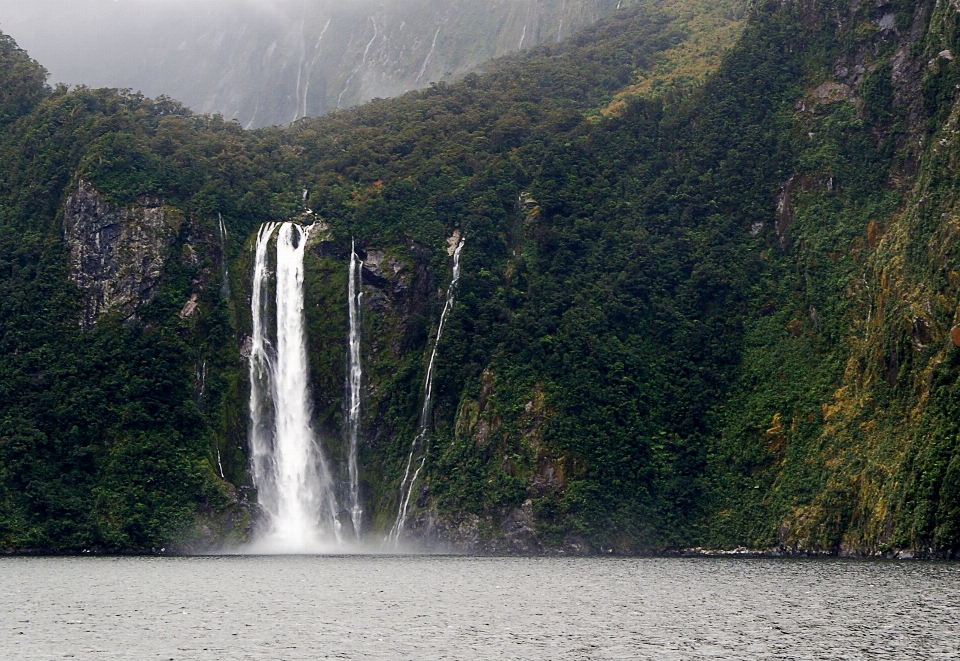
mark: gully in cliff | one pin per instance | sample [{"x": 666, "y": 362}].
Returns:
[{"x": 419, "y": 444}]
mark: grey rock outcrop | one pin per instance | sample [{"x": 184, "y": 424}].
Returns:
[{"x": 116, "y": 254}]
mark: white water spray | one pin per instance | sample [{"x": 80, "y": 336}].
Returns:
[
  {"x": 289, "y": 468},
  {"x": 346, "y": 86},
  {"x": 419, "y": 442},
  {"x": 354, "y": 381}
]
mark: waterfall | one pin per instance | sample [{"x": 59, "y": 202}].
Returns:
[
  {"x": 420, "y": 440},
  {"x": 225, "y": 271},
  {"x": 260, "y": 366},
  {"x": 289, "y": 468},
  {"x": 353, "y": 383},
  {"x": 300, "y": 469},
  {"x": 433, "y": 47},
  {"x": 563, "y": 10}
]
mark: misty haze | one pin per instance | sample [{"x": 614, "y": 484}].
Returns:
[{"x": 266, "y": 62}]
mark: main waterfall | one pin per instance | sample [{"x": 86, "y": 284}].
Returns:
[
  {"x": 420, "y": 440},
  {"x": 294, "y": 485}
]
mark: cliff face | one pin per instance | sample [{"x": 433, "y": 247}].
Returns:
[
  {"x": 116, "y": 254},
  {"x": 836, "y": 431},
  {"x": 401, "y": 295},
  {"x": 841, "y": 418},
  {"x": 887, "y": 447}
]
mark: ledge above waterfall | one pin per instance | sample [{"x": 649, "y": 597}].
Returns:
[{"x": 314, "y": 228}]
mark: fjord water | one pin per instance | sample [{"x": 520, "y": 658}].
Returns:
[{"x": 465, "y": 608}]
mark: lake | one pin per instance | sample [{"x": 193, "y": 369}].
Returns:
[{"x": 454, "y": 607}]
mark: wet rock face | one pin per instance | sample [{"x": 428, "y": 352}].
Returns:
[{"x": 116, "y": 254}]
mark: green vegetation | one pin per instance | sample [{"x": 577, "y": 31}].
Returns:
[{"x": 715, "y": 319}]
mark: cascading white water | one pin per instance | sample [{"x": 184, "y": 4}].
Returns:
[
  {"x": 354, "y": 381},
  {"x": 419, "y": 442},
  {"x": 261, "y": 360},
  {"x": 300, "y": 470},
  {"x": 289, "y": 468}
]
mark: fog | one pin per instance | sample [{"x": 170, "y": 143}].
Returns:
[{"x": 267, "y": 62}]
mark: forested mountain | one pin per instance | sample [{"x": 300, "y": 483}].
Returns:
[
  {"x": 265, "y": 62},
  {"x": 708, "y": 295}
]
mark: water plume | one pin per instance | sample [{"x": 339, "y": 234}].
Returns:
[{"x": 295, "y": 489}]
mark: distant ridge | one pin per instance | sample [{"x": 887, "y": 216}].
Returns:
[{"x": 270, "y": 62}]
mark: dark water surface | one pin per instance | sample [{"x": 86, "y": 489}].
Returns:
[{"x": 368, "y": 607}]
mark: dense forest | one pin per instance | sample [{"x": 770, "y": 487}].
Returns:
[{"x": 713, "y": 312}]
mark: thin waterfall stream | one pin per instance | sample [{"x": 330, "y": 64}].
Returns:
[
  {"x": 290, "y": 471},
  {"x": 354, "y": 381},
  {"x": 260, "y": 364},
  {"x": 225, "y": 287},
  {"x": 420, "y": 441}
]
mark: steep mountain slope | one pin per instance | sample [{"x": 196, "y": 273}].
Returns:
[
  {"x": 81, "y": 169},
  {"x": 266, "y": 62},
  {"x": 715, "y": 316},
  {"x": 840, "y": 418}
]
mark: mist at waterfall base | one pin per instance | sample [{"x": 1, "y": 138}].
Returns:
[{"x": 297, "y": 493}]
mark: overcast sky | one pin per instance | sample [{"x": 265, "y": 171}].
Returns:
[{"x": 104, "y": 42}]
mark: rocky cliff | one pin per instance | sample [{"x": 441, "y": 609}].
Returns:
[{"x": 117, "y": 254}]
